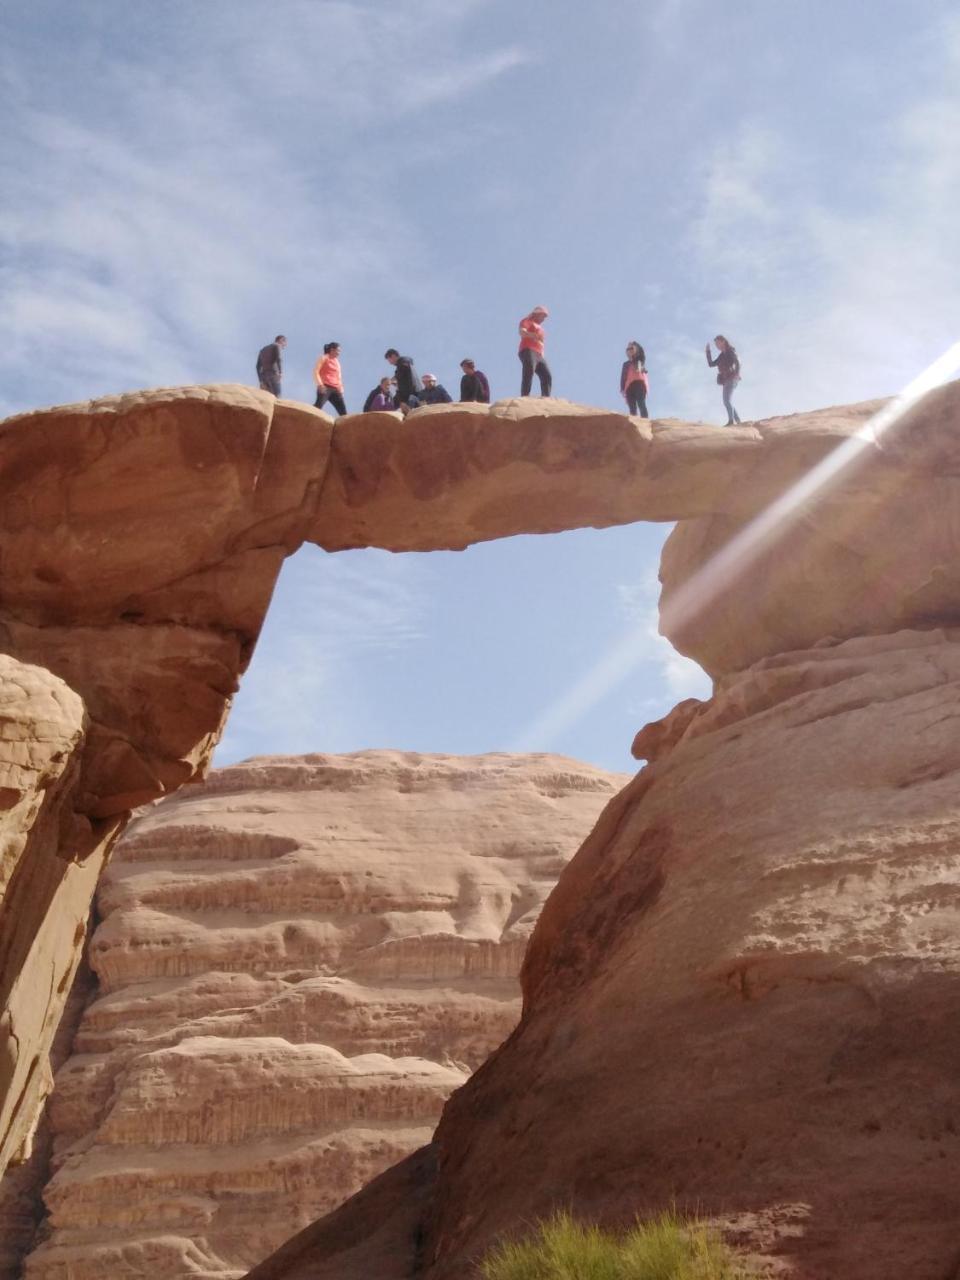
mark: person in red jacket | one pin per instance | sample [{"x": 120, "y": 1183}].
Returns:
[
  {"x": 531, "y": 352},
  {"x": 329, "y": 379}
]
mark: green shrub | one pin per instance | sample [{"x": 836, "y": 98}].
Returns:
[{"x": 667, "y": 1248}]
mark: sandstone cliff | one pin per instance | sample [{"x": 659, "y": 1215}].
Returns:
[
  {"x": 140, "y": 663},
  {"x": 297, "y": 963},
  {"x": 741, "y": 998},
  {"x": 140, "y": 539}
]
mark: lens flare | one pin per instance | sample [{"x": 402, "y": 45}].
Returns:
[
  {"x": 733, "y": 559},
  {"x": 730, "y": 562}
]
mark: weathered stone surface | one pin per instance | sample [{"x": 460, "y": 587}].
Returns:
[
  {"x": 741, "y": 996},
  {"x": 140, "y": 548},
  {"x": 47, "y": 892},
  {"x": 298, "y": 962},
  {"x": 21, "y": 1203},
  {"x": 877, "y": 550},
  {"x": 140, "y": 539},
  {"x": 94, "y": 589},
  {"x": 449, "y": 476}
]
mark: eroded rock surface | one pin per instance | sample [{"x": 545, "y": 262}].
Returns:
[
  {"x": 139, "y": 541},
  {"x": 298, "y": 962},
  {"x": 741, "y": 998}
]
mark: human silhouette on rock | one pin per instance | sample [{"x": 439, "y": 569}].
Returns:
[
  {"x": 473, "y": 385},
  {"x": 633, "y": 380},
  {"x": 270, "y": 365},
  {"x": 329, "y": 378},
  {"x": 727, "y": 365},
  {"x": 532, "y": 341},
  {"x": 380, "y": 398},
  {"x": 408, "y": 381}
]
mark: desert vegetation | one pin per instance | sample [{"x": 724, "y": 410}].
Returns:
[{"x": 665, "y": 1248}]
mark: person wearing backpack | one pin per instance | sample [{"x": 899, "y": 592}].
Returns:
[
  {"x": 633, "y": 380},
  {"x": 409, "y": 385},
  {"x": 727, "y": 365}
]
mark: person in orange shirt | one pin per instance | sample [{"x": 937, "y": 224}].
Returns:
[
  {"x": 329, "y": 379},
  {"x": 531, "y": 352}
]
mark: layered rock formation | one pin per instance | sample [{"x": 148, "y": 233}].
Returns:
[
  {"x": 741, "y": 997},
  {"x": 297, "y": 964},
  {"x": 153, "y": 655},
  {"x": 140, "y": 539}
]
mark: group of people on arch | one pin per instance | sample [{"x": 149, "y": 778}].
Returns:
[{"x": 404, "y": 389}]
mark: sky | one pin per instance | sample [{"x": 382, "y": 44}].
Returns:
[{"x": 183, "y": 180}]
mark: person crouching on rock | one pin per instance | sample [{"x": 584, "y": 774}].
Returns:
[
  {"x": 532, "y": 340},
  {"x": 329, "y": 379},
  {"x": 433, "y": 392},
  {"x": 633, "y": 380},
  {"x": 727, "y": 365},
  {"x": 380, "y": 399},
  {"x": 407, "y": 379}
]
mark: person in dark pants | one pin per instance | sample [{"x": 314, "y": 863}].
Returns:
[
  {"x": 473, "y": 385},
  {"x": 270, "y": 366},
  {"x": 532, "y": 340},
  {"x": 633, "y": 380},
  {"x": 433, "y": 392},
  {"x": 329, "y": 378},
  {"x": 727, "y": 365},
  {"x": 409, "y": 385}
]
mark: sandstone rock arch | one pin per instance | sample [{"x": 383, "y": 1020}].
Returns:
[{"x": 141, "y": 537}]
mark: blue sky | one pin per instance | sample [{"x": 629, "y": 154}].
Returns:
[{"x": 183, "y": 180}]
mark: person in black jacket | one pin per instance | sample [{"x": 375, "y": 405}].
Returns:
[
  {"x": 727, "y": 365},
  {"x": 409, "y": 385},
  {"x": 270, "y": 366},
  {"x": 473, "y": 384},
  {"x": 433, "y": 392}
]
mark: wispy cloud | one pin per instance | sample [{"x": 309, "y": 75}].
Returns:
[
  {"x": 186, "y": 180},
  {"x": 333, "y": 621},
  {"x": 637, "y": 651},
  {"x": 829, "y": 299}
]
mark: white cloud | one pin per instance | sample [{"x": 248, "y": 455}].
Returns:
[
  {"x": 165, "y": 201},
  {"x": 334, "y": 619},
  {"x": 828, "y": 300},
  {"x": 638, "y": 646}
]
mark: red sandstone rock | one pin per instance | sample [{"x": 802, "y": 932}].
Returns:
[
  {"x": 297, "y": 963},
  {"x": 739, "y": 999},
  {"x": 150, "y": 632},
  {"x": 140, "y": 539}
]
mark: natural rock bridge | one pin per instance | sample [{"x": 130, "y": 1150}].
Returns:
[{"x": 772, "y": 931}]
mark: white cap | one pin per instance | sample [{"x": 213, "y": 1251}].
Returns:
[{"x": 429, "y": 377}]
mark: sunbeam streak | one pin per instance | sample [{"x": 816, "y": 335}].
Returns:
[
  {"x": 730, "y": 562},
  {"x": 733, "y": 559}
]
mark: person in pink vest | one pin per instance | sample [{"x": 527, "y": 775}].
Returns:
[
  {"x": 633, "y": 380},
  {"x": 329, "y": 379},
  {"x": 531, "y": 352}
]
